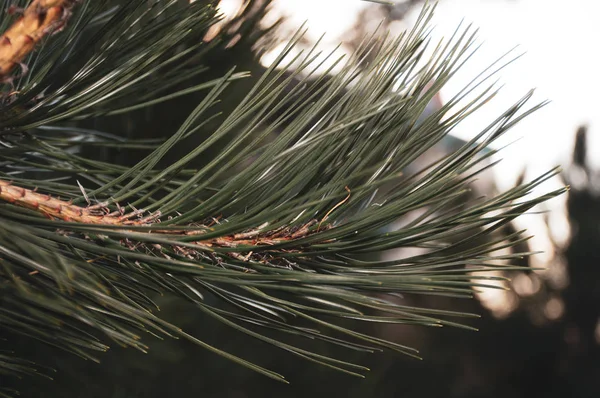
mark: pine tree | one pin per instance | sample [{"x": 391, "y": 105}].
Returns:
[{"x": 266, "y": 213}]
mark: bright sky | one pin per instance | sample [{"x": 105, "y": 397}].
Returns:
[{"x": 559, "y": 39}]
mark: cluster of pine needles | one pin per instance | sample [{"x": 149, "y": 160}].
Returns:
[{"x": 283, "y": 231}]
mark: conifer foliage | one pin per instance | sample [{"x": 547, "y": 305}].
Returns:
[{"x": 281, "y": 228}]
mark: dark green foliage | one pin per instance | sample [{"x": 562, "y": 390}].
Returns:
[{"x": 314, "y": 174}]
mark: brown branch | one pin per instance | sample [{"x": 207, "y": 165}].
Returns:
[
  {"x": 58, "y": 209},
  {"x": 40, "y": 19}
]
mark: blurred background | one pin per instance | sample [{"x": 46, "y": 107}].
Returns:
[{"x": 541, "y": 338}]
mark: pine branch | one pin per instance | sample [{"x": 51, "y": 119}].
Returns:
[
  {"x": 278, "y": 229},
  {"x": 40, "y": 19},
  {"x": 100, "y": 215}
]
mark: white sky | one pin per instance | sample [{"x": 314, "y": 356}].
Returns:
[
  {"x": 559, "y": 39},
  {"x": 561, "y": 61}
]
